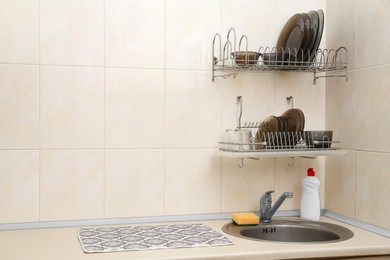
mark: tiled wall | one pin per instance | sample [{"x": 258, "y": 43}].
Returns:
[
  {"x": 357, "y": 185},
  {"x": 107, "y": 108}
]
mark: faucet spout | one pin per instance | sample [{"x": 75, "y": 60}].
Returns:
[{"x": 266, "y": 208}]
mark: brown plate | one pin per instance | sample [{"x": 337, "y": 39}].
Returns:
[
  {"x": 295, "y": 119},
  {"x": 283, "y": 127},
  {"x": 304, "y": 52},
  {"x": 283, "y": 124},
  {"x": 319, "y": 34},
  {"x": 269, "y": 125},
  {"x": 292, "y": 37},
  {"x": 313, "y": 32},
  {"x": 302, "y": 121}
]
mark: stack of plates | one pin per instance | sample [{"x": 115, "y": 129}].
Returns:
[
  {"x": 295, "y": 120},
  {"x": 299, "y": 40},
  {"x": 292, "y": 120}
]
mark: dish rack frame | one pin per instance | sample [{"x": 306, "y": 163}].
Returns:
[
  {"x": 280, "y": 142},
  {"x": 276, "y": 144},
  {"x": 325, "y": 63}
]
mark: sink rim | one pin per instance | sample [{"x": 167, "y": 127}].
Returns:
[{"x": 343, "y": 233}]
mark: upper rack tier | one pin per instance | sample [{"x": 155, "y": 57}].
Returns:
[{"x": 230, "y": 57}]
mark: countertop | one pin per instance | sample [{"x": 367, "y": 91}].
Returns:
[{"x": 62, "y": 243}]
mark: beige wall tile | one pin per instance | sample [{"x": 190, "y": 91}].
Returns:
[
  {"x": 19, "y": 186},
  {"x": 340, "y": 183},
  {"x": 72, "y": 107},
  {"x": 189, "y": 34},
  {"x": 236, "y": 14},
  {"x": 243, "y": 187},
  {"x": 288, "y": 175},
  {"x": 307, "y": 97},
  {"x": 134, "y": 104},
  {"x": 258, "y": 95},
  {"x": 341, "y": 109},
  {"x": 360, "y": 177},
  {"x": 341, "y": 23},
  {"x": 135, "y": 33},
  {"x": 134, "y": 183},
  {"x": 71, "y": 185},
  {"x": 19, "y": 27},
  {"x": 19, "y": 107},
  {"x": 192, "y": 109},
  {"x": 373, "y": 119},
  {"x": 372, "y": 32},
  {"x": 372, "y": 188},
  {"x": 192, "y": 181},
  {"x": 71, "y": 32}
]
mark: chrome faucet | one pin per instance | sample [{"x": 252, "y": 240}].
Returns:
[{"x": 266, "y": 208}]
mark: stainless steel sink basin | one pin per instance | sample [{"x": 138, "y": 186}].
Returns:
[{"x": 291, "y": 230}]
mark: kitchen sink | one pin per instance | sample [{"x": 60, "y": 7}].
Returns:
[{"x": 291, "y": 230}]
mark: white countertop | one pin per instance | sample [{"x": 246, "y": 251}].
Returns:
[{"x": 63, "y": 243}]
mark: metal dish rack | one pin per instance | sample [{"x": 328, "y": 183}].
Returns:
[
  {"x": 323, "y": 63},
  {"x": 279, "y": 142},
  {"x": 276, "y": 144},
  {"x": 274, "y": 141}
]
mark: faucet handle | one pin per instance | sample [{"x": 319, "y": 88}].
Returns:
[{"x": 266, "y": 197}]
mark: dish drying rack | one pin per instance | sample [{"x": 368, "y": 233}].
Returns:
[
  {"x": 324, "y": 63},
  {"x": 277, "y": 144}
]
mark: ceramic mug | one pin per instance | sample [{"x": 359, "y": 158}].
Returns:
[{"x": 239, "y": 139}]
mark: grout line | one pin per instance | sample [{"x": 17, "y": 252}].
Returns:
[
  {"x": 108, "y": 148},
  {"x": 112, "y": 67},
  {"x": 39, "y": 112},
  {"x": 355, "y": 184},
  {"x": 356, "y": 36},
  {"x": 104, "y": 109},
  {"x": 165, "y": 107},
  {"x": 356, "y": 95},
  {"x": 222, "y": 130},
  {"x": 21, "y": 64}
]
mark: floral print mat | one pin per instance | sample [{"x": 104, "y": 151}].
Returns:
[{"x": 126, "y": 238}]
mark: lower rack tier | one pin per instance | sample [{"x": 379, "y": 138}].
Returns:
[
  {"x": 282, "y": 153},
  {"x": 283, "y": 144}
]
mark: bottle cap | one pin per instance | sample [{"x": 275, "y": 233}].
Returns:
[{"x": 311, "y": 172}]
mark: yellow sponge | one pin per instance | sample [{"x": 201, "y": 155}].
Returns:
[{"x": 245, "y": 218}]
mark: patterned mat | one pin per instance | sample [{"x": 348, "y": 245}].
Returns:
[{"x": 113, "y": 239}]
